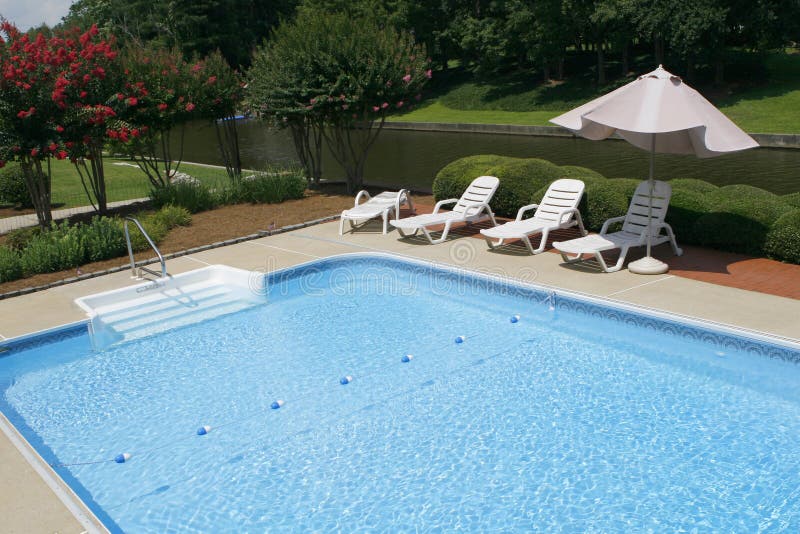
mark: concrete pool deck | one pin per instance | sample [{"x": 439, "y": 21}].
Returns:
[{"x": 27, "y": 504}]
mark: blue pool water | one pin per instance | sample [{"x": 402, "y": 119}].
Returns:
[{"x": 574, "y": 418}]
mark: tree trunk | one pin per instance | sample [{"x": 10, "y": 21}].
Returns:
[
  {"x": 37, "y": 182},
  {"x": 601, "y": 68},
  {"x": 350, "y": 145},
  {"x": 228, "y": 144},
  {"x": 93, "y": 179},
  {"x": 307, "y": 138}
]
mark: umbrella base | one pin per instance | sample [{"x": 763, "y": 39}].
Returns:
[{"x": 648, "y": 265}]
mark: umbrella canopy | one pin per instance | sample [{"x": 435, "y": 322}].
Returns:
[
  {"x": 658, "y": 103},
  {"x": 659, "y": 113}
]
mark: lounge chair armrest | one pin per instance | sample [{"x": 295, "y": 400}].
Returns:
[
  {"x": 475, "y": 208},
  {"x": 443, "y": 202},
  {"x": 609, "y": 222},
  {"x": 403, "y": 193},
  {"x": 523, "y": 209},
  {"x": 567, "y": 211},
  {"x": 361, "y": 194}
]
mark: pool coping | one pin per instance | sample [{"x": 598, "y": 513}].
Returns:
[{"x": 88, "y": 519}]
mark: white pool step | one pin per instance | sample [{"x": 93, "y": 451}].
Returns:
[{"x": 168, "y": 303}]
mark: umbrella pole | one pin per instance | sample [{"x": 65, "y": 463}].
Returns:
[
  {"x": 652, "y": 187},
  {"x": 648, "y": 264}
]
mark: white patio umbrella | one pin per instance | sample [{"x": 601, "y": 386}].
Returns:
[{"x": 659, "y": 113}]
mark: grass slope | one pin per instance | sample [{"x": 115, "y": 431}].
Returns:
[{"x": 764, "y": 100}]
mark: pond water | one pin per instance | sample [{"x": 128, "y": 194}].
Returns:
[{"x": 411, "y": 159}]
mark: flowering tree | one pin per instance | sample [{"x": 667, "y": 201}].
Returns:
[
  {"x": 30, "y": 118},
  {"x": 84, "y": 90},
  {"x": 218, "y": 91},
  {"x": 154, "y": 102},
  {"x": 340, "y": 77}
]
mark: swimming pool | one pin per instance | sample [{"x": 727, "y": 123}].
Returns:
[{"x": 578, "y": 416}]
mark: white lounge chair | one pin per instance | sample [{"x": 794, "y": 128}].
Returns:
[
  {"x": 558, "y": 209},
  {"x": 381, "y": 205},
  {"x": 473, "y": 206},
  {"x": 634, "y": 229}
]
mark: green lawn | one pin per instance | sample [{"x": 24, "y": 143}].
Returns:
[
  {"x": 123, "y": 181},
  {"x": 766, "y": 102}
]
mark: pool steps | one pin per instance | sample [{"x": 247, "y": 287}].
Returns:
[{"x": 167, "y": 303}]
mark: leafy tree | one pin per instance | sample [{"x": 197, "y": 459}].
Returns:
[{"x": 344, "y": 73}]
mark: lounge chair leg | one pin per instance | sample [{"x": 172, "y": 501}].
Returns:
[
  {"x": 542, "y": 243},
  {"x": 385, "y": 216},
  {"x": 404, "y": 234},
  {"x": 673, "y": 243},
  {"x": 341, "y": 225},
  {"x": 580, "y": 223},
  {"x": 578, "y": 258},
  {"x": 492, "y": 244}
]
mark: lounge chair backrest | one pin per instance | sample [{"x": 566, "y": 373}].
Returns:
[
  {"x": 480, "y": 190},
  {"x": 562, "y": 194},
  {"x": 636, "y": 218}
]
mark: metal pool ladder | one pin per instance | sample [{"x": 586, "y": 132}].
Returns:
[{"x": 134, "y": 272}]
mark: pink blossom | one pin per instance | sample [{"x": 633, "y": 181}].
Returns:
[
  {"x": 190, "y": 107},
  {"x": 375, "y": 108},
  {"x": 407, "y": 78},
  {"x": 384, "y": 105},
  {"x": 400, "y": 104},
  {"x": 428, "y": 74}
]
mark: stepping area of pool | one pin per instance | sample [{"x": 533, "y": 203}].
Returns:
[{"x": 763, "y": 296}]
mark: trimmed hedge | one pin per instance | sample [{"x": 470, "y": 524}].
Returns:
[
  {"x": 736, "y": 218},
  {"x": 453, "y": 178},
  {"x": 741, "y": 218},
  {"x": 783, "y": 239},
  {"x": 793, "y": 199}
]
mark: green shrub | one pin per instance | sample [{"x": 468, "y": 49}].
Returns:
[
  {"x": 685, "y": 207},
  {"x": 783, "y": 239},
  {"x": 692, "y": 184},
  {"x": 19, "y": 239},
  {"x": 626, "y": 186},
  {"x": 793, "y": 199},
  {"x": 193, "y": 196},
  {"x": 55, "y": 250},
  {"x": 12, "y": 187},
  {"x": 604, "y": 200},
  {"x": 453, "y": 178},
  {"x": 741, "y": 218},
  {"x": 173, "y": 216},
  {"x": 271, "y": 187},
  {"x": 520, "y": 179},
  {"x": 579, "y": 173},
  {"x": 103, "y": 239},
  {"x": 10, "y": 265}
]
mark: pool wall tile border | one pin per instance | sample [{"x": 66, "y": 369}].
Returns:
[{"x": 720, "y": 335}]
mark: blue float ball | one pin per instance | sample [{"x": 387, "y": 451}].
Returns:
[
  {"x": 407, "y": 358},
  {"x": 345, "y": 380},
  {"x": 460, "y": 339},
  {"x": 203, "y": 430},
  {"x": 277, "y": 404},
  {"x": 515, "y": 318},
  {"x": 122, "y": 458}
]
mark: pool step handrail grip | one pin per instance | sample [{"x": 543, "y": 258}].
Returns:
[
  {"x": 134, "y": 273},
  {"x": 557, "y": 210}
]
